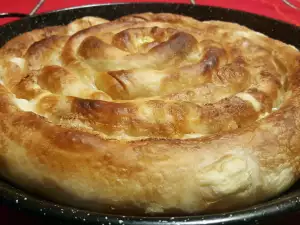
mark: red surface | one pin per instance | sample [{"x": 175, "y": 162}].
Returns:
[{"x": 271, "y": 8}]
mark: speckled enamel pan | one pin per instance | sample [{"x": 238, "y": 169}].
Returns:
[{"x": 58, "y": 214}]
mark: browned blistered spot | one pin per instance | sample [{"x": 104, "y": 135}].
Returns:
[
  {"x": 25, "y": 88},
  {"x": 179, "y": 115},
  {"x": 231, "y": 74},
  {"x": 47, "y": 104},
  {"x": 230, "y": 112},
  {"x": 40, "y": 51},
  {"x": 107, "y": 115},
  {"x": 103, "y": 107},
  {"x": 52, "y": 78},
  {"x": 214, "y": 56},
  {"x": 162, "y": 34},
  {"x": 180, "y": 43},
  {"x": 122, "y": 40},
  {"x": 148, "y": 46},
  {"x": 119, "y": 89},
  {"x": 203, "y": 70},
  {"x": 92, "y": 47},
  {"x": 269, "y": 83}
]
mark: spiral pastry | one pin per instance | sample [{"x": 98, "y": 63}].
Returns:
[{"x": 152, "y": 113}]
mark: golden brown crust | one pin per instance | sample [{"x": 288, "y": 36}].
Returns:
[{"x": 152, "y": 113}]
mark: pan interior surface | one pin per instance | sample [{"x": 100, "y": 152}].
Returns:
[{"x": 287, "y": 202}]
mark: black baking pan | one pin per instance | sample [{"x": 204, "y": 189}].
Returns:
[{"x": 54, "y": 213}]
